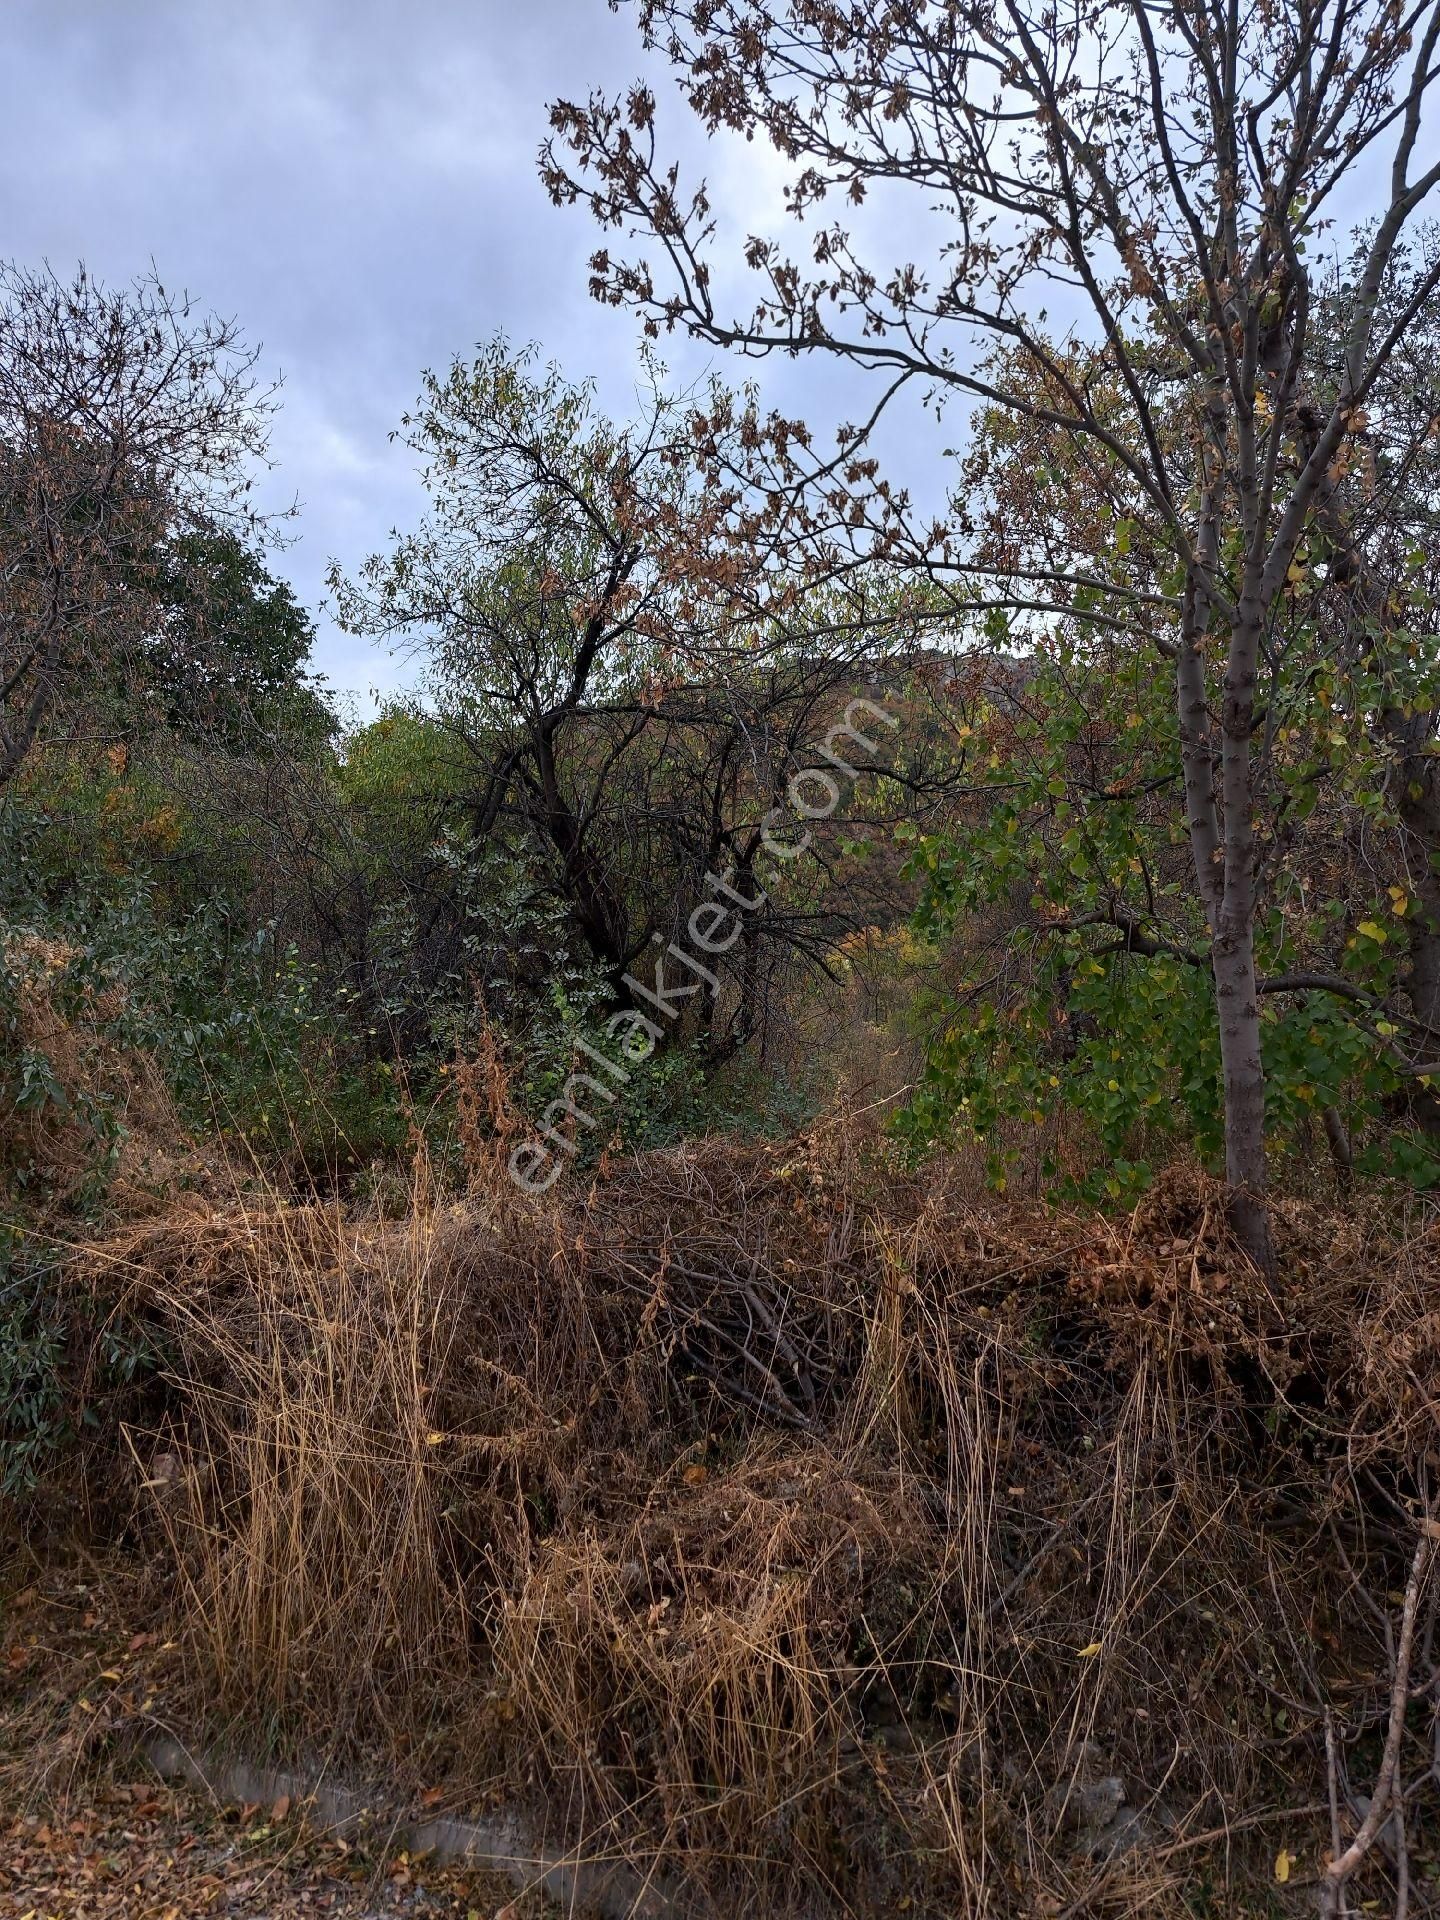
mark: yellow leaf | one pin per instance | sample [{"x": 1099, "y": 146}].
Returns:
[
  {"x": 434, "y": 1439},
  {"x": 1372, "y": 930},
  {"x": 1089, "y": 1653},
  {"x": 110, "y": 1674},
  {"x": 1399, "y": 900},
  {"x": 1282, "y": 1865}
]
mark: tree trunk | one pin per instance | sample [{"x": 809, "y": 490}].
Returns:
[
  {"x": 1238, "y": 1004},
  {"x": 16, "y": 741},
  {"x": 1341, "y": 1150},
  {"x": 1223, "y": 853},
  {"x": 1233, "y": 948}
]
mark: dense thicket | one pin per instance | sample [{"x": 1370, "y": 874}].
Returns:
[{"x": 632, "y": 653}]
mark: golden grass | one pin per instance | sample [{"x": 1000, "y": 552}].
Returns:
[{"x": 808, "y": 1528}]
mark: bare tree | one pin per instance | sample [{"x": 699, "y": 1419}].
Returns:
[
  {"x": 1147, "y": 175},
  {"x": 126, "y": 418}
]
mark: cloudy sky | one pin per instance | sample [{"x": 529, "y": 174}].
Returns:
[{"x": 355, "y": 181}]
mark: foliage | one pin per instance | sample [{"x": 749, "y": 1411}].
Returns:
[
  {"x": 1069, "y": 880},
  {"x": 1182, "y": 167},
  {"x": 65, "y": 1361},
  {"x": 226, "y": 663},
  {"x": 1082, "y": 959},
  {"x": 33, "y": 1418},
  {"x": 629, "y": 657},
  {"x": 235, "y": 1019}
]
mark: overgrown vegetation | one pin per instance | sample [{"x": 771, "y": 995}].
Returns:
[
  {"x": 788, "y": 1523},
  {"x": 786, "y": 1220}
]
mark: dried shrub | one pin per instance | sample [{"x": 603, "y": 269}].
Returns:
[{"x": 785, "y": 1520}]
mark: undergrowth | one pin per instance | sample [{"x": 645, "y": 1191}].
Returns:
[{"x": 817, "y": 1535}]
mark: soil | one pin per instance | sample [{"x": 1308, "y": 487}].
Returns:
[{"x": 88, "y": 1832}]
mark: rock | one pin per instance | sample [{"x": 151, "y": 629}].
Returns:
[{"x": 1090, "y": 1807}]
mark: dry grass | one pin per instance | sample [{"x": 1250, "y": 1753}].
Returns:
[{"x": 810, "y": 1530}]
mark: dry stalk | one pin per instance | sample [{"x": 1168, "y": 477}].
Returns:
[{"x": 1386, "y": 1792}]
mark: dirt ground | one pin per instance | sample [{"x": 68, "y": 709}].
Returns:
[
  {"x": 146, "y": 1852},
  {"x": 88, "y": 1831}
]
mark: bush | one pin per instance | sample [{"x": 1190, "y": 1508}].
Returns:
[
  {"x": 34, "y": 1421},
  {"x": 66, "y": 1362}
]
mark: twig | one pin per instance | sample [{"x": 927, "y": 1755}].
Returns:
[
  {"x": 1340, "y": 1869},
  {"x": 1332, "y": 1777},
  {"x": 1239, "y": 1825},
  {"x": 1402, "y": 1850}
]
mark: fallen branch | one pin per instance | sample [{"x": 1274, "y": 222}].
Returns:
[{"x": 1339, "y": 1870}]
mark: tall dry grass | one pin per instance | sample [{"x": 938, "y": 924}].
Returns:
[
  {"x": 308, "y": 1517},
  {"x": 810, "y": 1531}
]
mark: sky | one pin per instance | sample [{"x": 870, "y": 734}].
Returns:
[{"x": 355, "y": 182}]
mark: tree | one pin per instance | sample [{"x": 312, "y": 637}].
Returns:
[
  {"x": 1075, "y": 941},
  {"x": 634, "y": 655},
  {"x": 225, "y": 662},
  {"x": 128, "y": 422},
  {"x": 1154, "y": 172},
  {"x": 1376, "y": 589}
]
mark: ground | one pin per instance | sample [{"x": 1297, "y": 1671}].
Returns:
[
  {"x": 88, "y": 1832},
  {"x": 138, "y": 1849}
]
